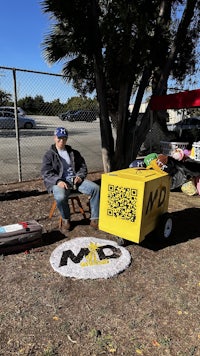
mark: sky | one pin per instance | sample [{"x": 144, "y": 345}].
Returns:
[{"x": 23, "y": 26}]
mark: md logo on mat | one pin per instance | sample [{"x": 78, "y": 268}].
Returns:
[{"x": 89, "y": 258}]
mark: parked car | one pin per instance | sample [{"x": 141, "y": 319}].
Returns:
[
  {"x": 7, "y": 121},
  {"x": 11, "y": 109},
  {"x": 188, "y": 130},
  {"x": 188, "y": 124},
  {"x": 63, "y": 116},
  {"x": 79, "y": 115}
]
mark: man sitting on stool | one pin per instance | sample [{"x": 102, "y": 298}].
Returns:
[{"x": 62, "y": 168}]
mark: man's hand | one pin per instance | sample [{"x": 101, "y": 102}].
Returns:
[
  {"x": 62, "y": 184},
  {"x": 77, "y": 180}
]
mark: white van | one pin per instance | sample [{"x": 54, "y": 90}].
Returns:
[{"x": 11, "y": 109}]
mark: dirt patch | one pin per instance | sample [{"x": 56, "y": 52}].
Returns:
[{"x": 152, "y": 308}]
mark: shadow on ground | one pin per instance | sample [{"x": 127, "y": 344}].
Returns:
[
  {"x": 185, "y": 227},
  {"x": 19, "y": 194}
]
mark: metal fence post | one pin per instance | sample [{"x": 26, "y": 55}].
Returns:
[{"x": 17, "y": 127}]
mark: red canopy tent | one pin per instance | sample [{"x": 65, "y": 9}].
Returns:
[
  {"x": 185, "y": 99},
  {"x": 182, "y": 100}
]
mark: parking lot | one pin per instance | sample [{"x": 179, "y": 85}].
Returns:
[{"x": 83, "y": 136}]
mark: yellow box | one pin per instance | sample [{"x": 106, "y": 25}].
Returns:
[{"x": 132, "y": 201}]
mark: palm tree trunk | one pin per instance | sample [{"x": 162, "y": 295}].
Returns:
[{"x": 107, "y": 141}]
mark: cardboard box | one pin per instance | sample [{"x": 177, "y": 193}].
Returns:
[{"x": 132, "y": 201}]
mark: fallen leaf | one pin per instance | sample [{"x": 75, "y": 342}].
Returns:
[
  {"x": 55, "y": 318},
  {"x": 112, "y": 350},
  {"x": 155, "y": 343}
]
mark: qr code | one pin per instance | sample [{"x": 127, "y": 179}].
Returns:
[{"x": 122, "y": 202}]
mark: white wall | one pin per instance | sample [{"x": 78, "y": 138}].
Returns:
[{"x": 174, "y": 115}]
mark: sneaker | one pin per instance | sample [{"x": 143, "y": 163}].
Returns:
[
  {"x": 65, "y": 228},
  {"x": 94, "y": 223}
]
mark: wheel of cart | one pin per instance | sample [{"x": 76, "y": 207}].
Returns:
[
  {"x": 121, "y": 241},
  {"x": 162, "y": 232},
  {"x": 164, "y": 229}
]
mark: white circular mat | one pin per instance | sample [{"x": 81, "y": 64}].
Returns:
[{"x": 89, "y": 258}]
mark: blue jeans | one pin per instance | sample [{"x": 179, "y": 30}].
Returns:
[{"x": 86, "y": 187}]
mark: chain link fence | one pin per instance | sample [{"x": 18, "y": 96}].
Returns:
[{"x": 22, "y": 149}]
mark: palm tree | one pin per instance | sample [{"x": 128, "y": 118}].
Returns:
[
  {"x": 119, "y": 48},
  {"x": 5, "y": 98}
]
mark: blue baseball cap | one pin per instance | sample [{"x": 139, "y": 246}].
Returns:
[
  {"x": 137, "y": 163},
  {"x": 61, "y": 132}
]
